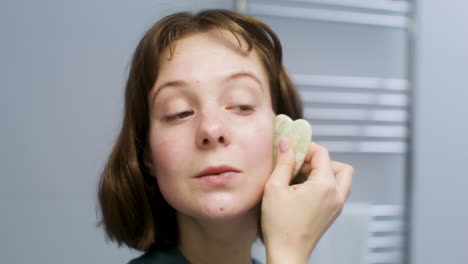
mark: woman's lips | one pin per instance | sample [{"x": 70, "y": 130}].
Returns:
[
  {"x": 217, "y": 175},
  {"x": 218, "y": 179},
  {"x": 217, "y": 170}
]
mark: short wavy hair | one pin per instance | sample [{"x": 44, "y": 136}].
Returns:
[{"x": 133, "y": 211}]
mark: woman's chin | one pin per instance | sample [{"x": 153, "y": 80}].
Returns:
[{"x": 225, "y": 206}]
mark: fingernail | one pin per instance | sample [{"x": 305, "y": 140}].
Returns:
[{"x": 284, "y": 145}]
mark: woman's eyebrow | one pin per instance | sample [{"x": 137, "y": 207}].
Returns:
[
  {"x": 230, "y": 77},
  {"x": 244, "y": 74},
  {"x": 175, "y": 83}
]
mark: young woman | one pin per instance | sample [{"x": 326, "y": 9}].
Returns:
[{"x": 191, "y": 178}]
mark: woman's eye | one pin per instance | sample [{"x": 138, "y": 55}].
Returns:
[
  {"x": 181, "y": 115},
  {"x": 245, "y": 108}
]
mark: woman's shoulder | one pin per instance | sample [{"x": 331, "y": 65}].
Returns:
[{"x": 170, "y": 256}]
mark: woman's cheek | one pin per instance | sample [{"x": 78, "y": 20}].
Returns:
[
  {"x": 167, "y": 151},
  {"x": 170, "y": 169},
  {"x": 262, "y": 150}
]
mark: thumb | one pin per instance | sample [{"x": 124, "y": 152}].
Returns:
[{"x": 285, "y": 162}]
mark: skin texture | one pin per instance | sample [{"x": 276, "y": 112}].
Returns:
[
  {"x": 205, "y": 87},
  {"x": 211, "y": 126}
]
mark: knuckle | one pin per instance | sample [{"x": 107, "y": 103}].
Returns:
[
  {"x": 326, "y": 151},
  {"x": 322, "y": 149}
]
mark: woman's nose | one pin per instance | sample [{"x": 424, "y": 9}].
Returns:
[{"x": 212, "y": 132}]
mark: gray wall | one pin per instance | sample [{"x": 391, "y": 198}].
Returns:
[
  {"x": 63, "y": 66},
  {"x": 439, "y": 227}
]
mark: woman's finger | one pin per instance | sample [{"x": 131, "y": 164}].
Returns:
[
  {"x": 285, "y": 162},
  {"x": 319, "y": 162},
  {"x": 338, "y": 166},
  {"x": 344, "y": 176},
  {"x": 306, "y": 167}
]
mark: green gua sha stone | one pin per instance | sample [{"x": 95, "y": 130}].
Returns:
[{"x": 299, "y": 134}]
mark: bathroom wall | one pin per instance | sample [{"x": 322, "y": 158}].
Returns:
[
  {"x": 439, "y": 196},
  {"x": 63, "y": 66}
]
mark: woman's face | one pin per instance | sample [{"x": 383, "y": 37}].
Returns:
[{"x": 210, "y": 107}]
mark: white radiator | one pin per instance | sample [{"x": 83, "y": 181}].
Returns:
[
  {"x": 362, "y": 234},
  {"x": 386, "y": 235}
]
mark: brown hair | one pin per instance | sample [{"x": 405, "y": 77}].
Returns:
[{"x": 133, "y": 210}]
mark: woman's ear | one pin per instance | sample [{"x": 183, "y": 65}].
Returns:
[
  {"x": 147, "y": 159},
  {"x": 150, "y": 176},
  {"x": 148, "y": 164}
]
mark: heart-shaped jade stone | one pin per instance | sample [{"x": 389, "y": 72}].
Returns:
[{"x": 299, "y": 134}]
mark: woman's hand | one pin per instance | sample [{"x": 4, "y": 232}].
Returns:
[{"x": 294, "y": 218}]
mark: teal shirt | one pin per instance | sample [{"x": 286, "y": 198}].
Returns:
[{"x": 172, "y": 256}]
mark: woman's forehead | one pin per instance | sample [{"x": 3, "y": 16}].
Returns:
[
  {"x": 215, "y": 48},
  {"x": 209, "y": 56}
]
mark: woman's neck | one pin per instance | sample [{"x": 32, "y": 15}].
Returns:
[{"x": 220, "y": 241}]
